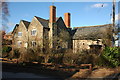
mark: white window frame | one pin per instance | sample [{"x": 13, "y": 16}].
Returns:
[
  {"x": 33, "y": 34},
  {"x": 33, "y": 43},
  {"x": 19, "y": 33},
  {"x": 19, "y": 43}
]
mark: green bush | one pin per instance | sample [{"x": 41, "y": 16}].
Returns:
[
  {"x": 6, "y": 50},
  {"x": 40, "y": 59},
  {"x": 87, "y": 59},
  {"x": 110, "y": 57},
  {"x": 29, "y": 55},
  {"x": 82, "y": 57},
  {"x": 68, "y": 58},
  {"x": 56, "y": 58},
  {"x": 16, "y": 53},
  {"x": 51, "y": 59}
]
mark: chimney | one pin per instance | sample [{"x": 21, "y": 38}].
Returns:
[
  {"x": 67, "y": 19},
  {"x": 52, "y": 14}
]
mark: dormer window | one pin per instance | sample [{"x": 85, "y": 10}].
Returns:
[
  {"x": 19, "y": 34},
  {"x": 33, "y": 32}
]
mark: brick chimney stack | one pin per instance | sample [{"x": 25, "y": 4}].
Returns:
[
  {"x": 52, "y": 14},
  {"x": 67, "y": 19}
]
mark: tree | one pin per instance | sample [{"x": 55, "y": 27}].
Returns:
[
  {"x": 107, "y": 37},
  {"x": 4, "y": 11},
  {"x": 110, "y": 57}
]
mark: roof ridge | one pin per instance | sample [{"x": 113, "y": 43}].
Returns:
[
  {"x": 92, "y": 26},
  {"x": 57, "y": 18},
  {"x": 40, "y": 18},
  {"x": 16, "y": 25},
  {"x": 25, "y": 21},
  {"x": 44, "y": 22},
  {"x": 96, "y": 32}
]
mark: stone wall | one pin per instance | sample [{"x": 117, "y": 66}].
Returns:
[
  {"x": 64, "y": 35},
  {"x": 79, "y": 45},
  {"x": 38, "y": 38},
  {"x": 23, "y": 38}
]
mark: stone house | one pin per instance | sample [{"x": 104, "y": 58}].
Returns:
[
  {"x": 38, "y": 32},
  {"x": 20, "y": 35},
  {"x": 85, "y": 37},
  {"x": 42, "y": 33},
  {"x": 56, "y": 33}
]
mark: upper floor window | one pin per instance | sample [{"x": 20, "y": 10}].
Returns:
[
  {"x": 19, "y": 34},
  {"x": 33, "y": 32}
]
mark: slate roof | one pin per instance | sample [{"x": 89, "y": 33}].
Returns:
[
  {"x": 90, "y": 32},
  {"x": 15, "y": 27},
  {"x": 57, "y": 18},
  {"x": 26, "y": 23},
  {"x": 44, "y": 22}
]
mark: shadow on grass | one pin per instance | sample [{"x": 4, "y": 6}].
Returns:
[
  {"x": 115, "y": 76},
  {"x": 37, "y": 69}
]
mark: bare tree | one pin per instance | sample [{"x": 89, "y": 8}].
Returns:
[
  {"x": 107, "y": 37},
  {"x": 4, "y": 12}
]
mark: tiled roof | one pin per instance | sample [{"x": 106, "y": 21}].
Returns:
[{"x": 90, "y": 32}]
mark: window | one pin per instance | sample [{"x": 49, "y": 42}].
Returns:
[
  {"x": 33, "y": 43},
  {"x": 33, "y": 32},
  {"x": 25, "y": 45},
  {"x": 19, "y": 43},
  {"x": 19, "y": 34},
  {"x": 98, "y": 41},
  {"x": 83, "y": 43}
]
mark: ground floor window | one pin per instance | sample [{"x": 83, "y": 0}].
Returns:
[
  {"x": 33, "y": 43},
  {"x": 25, "y": 45},
  {"x": 19, "y": 44}
]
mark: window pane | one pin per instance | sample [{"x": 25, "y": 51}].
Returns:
[
  {"x": 33, "y": 32},
  {"x": 19, "y": 33},
  {"x": 19, "y": 43},
  {"x": 33, "y": 43},
  {"x": 25, "y": 45}
]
